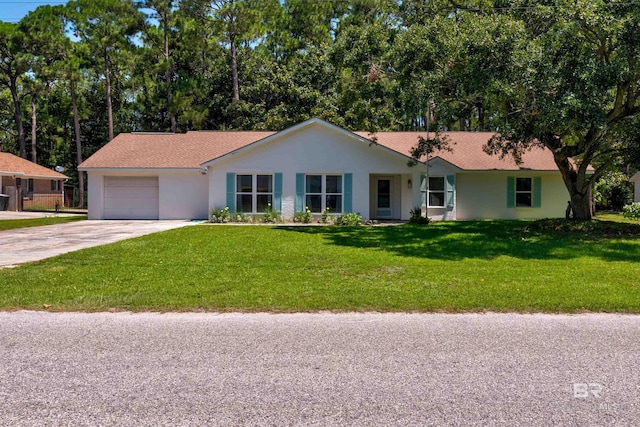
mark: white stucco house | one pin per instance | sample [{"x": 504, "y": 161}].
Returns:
[{"x": 319, "y": 165}]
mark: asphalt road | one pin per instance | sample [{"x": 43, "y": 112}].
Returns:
[{"x": 318, "y": 369}]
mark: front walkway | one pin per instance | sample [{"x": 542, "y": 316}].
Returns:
[{"x": 22, "y": 245}]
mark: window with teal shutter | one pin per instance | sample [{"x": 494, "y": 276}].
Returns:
[
  {"x": 451, "y": 187},
  {"x": 299, "y": 204},
  {"x": 348, "y": 184},
  {"x": 537, "y": 192},
  {"x": 277, "y": 192},
  {"x": 511, "y": 191},
  {"x": 231, "y": 191}
]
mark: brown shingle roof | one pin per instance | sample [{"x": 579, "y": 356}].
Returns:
[
  {"x": 12, "y": 164},
  {"x": 467, "y": 152},
  {"x": 190, "y": 150},
  {"x": 173, "y": 151}
]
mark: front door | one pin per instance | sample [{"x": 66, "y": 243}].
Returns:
[{"x": 383, "y": 198}]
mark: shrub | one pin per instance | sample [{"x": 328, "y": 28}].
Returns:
[
  {"x": 632, "y": 211},
  {"x": 417, "y": 218},
  {"x": 303, "y": 217},
  {"x": 612, "y": 191},
  {"x": 349, "y": 219},
  {"x": 220, "y": 215},
  {"x": 326, "y": 218},
  {"x": 241, "y": 217},
  {"x": 270, "y": 215}
]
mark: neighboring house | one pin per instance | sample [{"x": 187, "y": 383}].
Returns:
[
  {"x": 319, "y": 165},
  {"x": 28, "y": 184},
  {"x": 636, "y": 185}
]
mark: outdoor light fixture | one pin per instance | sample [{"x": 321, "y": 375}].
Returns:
[{"x": 409, "y": 184}]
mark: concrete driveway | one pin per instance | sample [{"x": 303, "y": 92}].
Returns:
[{"x": 35, "y": 243}]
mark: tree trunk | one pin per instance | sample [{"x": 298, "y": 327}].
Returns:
[
  {"x": 581, "y": 205},
  {"x": 107, "y": 81},
  {"x": 234, "y": 67},
  {"x": 578, "y": 186},
  {"x": 34, "y": 123},
  {"x": 76, "y": 128},
  {"x": 17, "y": 116},
  {"x": 167, "y": 73}
]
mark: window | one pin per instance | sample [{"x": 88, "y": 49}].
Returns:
[
  {"x": 436, "y": 191},
  {"x": 30, "y": 185},
  {"x": 254, "y": 193},
  {"x": 54, "y": 185},
  {"x": 323, "y": 191},
  {"x": 524, "y": 193}
]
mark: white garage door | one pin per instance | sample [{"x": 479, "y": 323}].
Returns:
[{"x": 127, "y": 197}]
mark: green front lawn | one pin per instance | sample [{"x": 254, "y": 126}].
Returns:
[
  {"x": 9, "y": 224},
  {"x": 452, "y": 266}
]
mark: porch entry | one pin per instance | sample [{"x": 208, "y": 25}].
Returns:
[{"x": 384, "y": 197}]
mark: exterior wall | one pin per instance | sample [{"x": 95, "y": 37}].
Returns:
[
  {"x": 182, "y": 194},
  {"x": 635, "y": 179},
  {"x": 314, "y": 149},
  {"x": 95, "y": 195},
  {"x": 483, "y": 195}
]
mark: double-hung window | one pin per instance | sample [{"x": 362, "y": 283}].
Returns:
[
  {"x": 324, "y": 191},
  {"x": 254, "y": 193},
  {"x": 436, "y": 192},
  {"x": 524, "y": 193}
]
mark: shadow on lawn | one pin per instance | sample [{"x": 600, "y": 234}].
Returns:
[{"x": 485, "y": 240}]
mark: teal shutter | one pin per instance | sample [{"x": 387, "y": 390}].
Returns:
[
  {"x": 511, "y": 191},
  {"x": 423, "y": 190},
  {"x": 537, "y": 191},
  {"x": 299, "y": 205},
  {"x": 277, "y": 192},
  {"x": 348, "y": 184},
  {"x": 451, "y": 186},
  {"x": 231, "y": 191}
]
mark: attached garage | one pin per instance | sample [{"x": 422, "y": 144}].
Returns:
[{"x": 128, "y": 197}]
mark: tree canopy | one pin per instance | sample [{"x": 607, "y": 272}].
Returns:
[{"x": 561, "y": 73}]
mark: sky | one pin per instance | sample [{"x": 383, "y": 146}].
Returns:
[{"x": 14, "y": 10}]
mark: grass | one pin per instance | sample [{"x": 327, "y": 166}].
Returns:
[
  {"x": 10, "y": 224},
  {"x": 543, "y": 266}
]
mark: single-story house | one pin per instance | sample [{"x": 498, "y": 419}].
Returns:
[
  {"x": 28, "y": 184},
  {"x": 636, "y": 185},
  {"x": 317, "y": 165}
]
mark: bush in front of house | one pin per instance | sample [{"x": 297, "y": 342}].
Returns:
[
  {"x": 220, "y": 216},
  {"x": 349, "y": 219},
  {"x": 303, "y": 217},
  {"x": 270, "y": 215},
  {"x": 415, "y": 217},
  {"x": 632, "y": 211}
]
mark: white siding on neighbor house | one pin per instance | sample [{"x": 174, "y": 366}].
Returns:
[
  {"x": 317, "y": 149},
  {"x": 179, "y": 195},
  {"x": 483, "y": 195}
]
